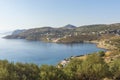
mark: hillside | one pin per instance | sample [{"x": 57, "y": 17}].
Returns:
[{"x": 67, "y": 33}]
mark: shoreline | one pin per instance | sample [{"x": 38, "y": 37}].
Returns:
[
  {"x": 67, "y": 60},
  {"x": 97, "y": 43}
]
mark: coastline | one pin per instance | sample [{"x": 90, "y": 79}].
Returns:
[
  {"x": 99, "y": 44},
  {"x": 83, "y": 57},
  {"x": 110, "y": 52}
]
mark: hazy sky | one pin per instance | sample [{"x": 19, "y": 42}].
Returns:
[{"x": 20, "y": 14}]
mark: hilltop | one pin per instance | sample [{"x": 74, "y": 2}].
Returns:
[{"x": 69, "y": 26}]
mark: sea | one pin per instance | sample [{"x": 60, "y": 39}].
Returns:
[{"x": 38, "y": 52}]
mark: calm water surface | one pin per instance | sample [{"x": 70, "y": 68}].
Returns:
[{"x": 18, "y": 50}]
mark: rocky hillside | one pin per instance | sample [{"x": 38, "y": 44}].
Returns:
[
  {"x": 68, "y": 33},
  {"x": 112, "y": 43}
]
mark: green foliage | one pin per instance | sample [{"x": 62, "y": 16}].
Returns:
[
  {"x": 115, "y": 69},
  {"x": 19, "y": 71},
  {"x": 71, "y": 69},
  {"x": 92, "y": 68},
  {"x": 27, "y": 71},
  {"x": 101, "y": 53},
  {"x": 98, "y": 68},
  {"x": 3, "y": 74},
  {"x": 115, "y": 41},
  {"x": 51, "y": 73}
]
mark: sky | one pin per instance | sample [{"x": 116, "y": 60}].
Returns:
[{"x": 24, "y": 14}]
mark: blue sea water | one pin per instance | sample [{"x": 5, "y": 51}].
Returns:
[{"x": 37, "y": 52}]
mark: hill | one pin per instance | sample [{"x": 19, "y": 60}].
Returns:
[
  {"x": 69, "y": 26},
  {"x": 67, "y": 32}
]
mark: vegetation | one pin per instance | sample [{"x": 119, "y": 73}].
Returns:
[
  {"x": 77, "y": 39},
  {"x": 115, "y": 41},
  {"x": 92, "y": 68}
]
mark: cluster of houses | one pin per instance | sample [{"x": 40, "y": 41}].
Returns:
[{"x": 116, "y": 32}]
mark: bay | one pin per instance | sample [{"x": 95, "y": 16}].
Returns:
[{"x": 37, "y": 52}]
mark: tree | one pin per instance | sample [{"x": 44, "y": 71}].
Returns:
[
  {"x": 93, "y": 68},
  {"x": 51, "y": 73},
  {"x": 115, "y": 69}
]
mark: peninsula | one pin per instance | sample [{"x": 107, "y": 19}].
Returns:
[{"x": 68, "y": 33}]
